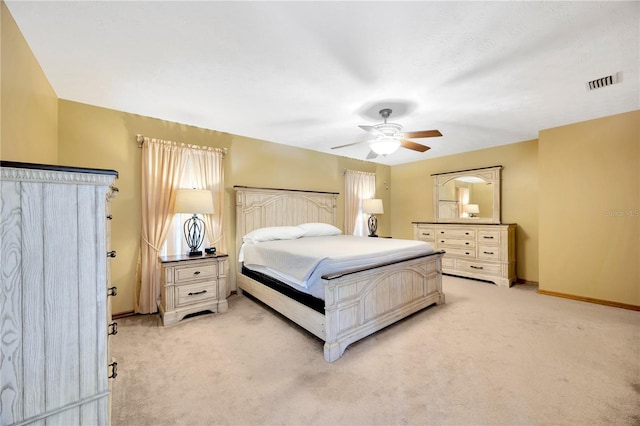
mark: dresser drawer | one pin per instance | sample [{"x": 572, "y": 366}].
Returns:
[
  {"x": 488, "y": 237},
  {"x": 448, "y": 263},
  {"x": 459, "y": 252},
  {"x": 197, "y": 292},
  {"x": 489, "y": 252},
  {"x": 452, "y": 242},
  {"x": 195, "y": 272},
  {"x": 426, "y": 233},
  {"x": 479, "y": 267},
  {"x": 456, "y": 233}
]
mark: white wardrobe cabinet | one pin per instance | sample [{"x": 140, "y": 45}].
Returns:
[{"x": 55, "y": 316}]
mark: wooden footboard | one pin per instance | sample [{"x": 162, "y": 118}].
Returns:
[{"x": 359, "y": 303}]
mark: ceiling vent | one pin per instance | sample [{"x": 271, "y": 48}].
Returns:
[{"x": 603, "y": 82}]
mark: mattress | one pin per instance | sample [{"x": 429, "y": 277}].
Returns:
[{"x": 301, "y": 263}]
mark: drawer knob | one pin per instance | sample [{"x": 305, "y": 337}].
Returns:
[
  {"x": 111, "y": 253},
  {"x": 488, "y": 237},
  {"x": 467, "y": 253},
  {"x": 466, "y": 233},
  {"x": 196, "y": 273},
  {"x": 197, "y": 292},
  {"x": 476, "y": 267},
  {"x": 488, "y": 252},
  {"x": 112, "y": 291},
  {"x": 442, "y": 241},
  {"x": 114, "y": 370},
  {"x": 109, "y": 217},
  {"x": 467, "y": 243},
  {"x": 113, "y": 329}
]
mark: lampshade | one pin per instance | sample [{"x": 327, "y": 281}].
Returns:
[
  {"x": 194, "y": 201},
  {"x": 385, "y": 145},
  {"x": 372, "y": 206},
  {"x": 471, "y": 208}
]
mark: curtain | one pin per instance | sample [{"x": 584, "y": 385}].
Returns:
[
  {"x": 207, "y": 169},
  {"x": 358, "y": 186},
  {"x": 163, "y": 164}
]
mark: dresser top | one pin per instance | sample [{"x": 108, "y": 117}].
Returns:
[
  {"x": 186, "y": 257},
  {"x": 470, "y": 222},
  {"x": 56, "y": 168}
]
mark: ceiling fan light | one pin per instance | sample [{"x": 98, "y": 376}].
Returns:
[{"x": 384, "y": 146}]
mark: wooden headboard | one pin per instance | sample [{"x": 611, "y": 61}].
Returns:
[{"x": 262, "y": 207}]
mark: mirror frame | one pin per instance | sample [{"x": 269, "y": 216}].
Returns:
[{"x": 491, "y": 175}]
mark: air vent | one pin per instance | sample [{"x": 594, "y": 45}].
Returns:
[{"x": 602, "y": 82}]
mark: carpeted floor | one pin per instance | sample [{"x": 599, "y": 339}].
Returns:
[{"x": 489, "y": 356}]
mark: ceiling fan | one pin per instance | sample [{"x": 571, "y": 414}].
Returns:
[{"x": 388, "y": 137}]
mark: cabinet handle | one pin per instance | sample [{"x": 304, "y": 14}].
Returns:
[
  {"x": 112, "y": 291},
  {"x": 442, "y": 241},
  {"x": 466, "y": 233},
  {"x": 109, "y": 217},
  {"x": 442, "y": 232},
  {"x": 113, "y": 329},
  {"x": 114, "y": 370},
  {"x": 197, "y": 292},
  {"x": 424, "y": 233},
  {"x": 488, "y": 252},
  {"x": 476, "y": 267},
  {"x": 467, "y": 253},
  {"x": 467, "y": 243},
  {"x": 488, "y": 237},
  {"x": 111, "y": 253},
  {"x": 196, "y": 273}
]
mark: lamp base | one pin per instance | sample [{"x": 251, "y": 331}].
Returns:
[
  {"x": 373, "y": 225},
  {"x": 194, "y": 253}
]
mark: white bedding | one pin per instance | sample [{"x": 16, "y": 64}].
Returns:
[{"x": 302, "y": 262}]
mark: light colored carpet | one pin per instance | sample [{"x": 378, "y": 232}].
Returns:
[{"x": 489, "y": 356}]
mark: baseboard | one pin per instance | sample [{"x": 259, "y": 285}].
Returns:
[
  {"x": 123, "y": 314},
  {"x": 591, "y": 300}
]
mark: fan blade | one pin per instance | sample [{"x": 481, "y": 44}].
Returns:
[
  {"x": 414, "y": 146},
  {"x": 349, "y": 144},
  {"x": 371, "y": 155},
  {"x": 371, "y": 129},
  {"x": 422, "y": 134}
]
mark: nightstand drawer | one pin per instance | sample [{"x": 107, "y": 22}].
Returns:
[
  {"x": 193, "y": 293},
  {"x": 197, "y": 272}
]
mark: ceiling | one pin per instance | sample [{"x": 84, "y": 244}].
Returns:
[{"x": 308, "y": 73}]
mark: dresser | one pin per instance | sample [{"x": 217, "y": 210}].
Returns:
[
  {"x": 484, "y": 251},
  {"x": 55, "y": 316},
  {"x": 192, "y": 284}
]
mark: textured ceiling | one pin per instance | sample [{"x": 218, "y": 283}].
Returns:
[{"x": 308, "y": 73}]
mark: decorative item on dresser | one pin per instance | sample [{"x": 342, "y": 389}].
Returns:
[
  {"x": 468, "y": 226},
  {"x": 55, "y": 313},
  {"x": 192, "y": 284}
]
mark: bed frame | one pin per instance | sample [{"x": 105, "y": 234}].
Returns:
[{"x": 357, "y": 302}]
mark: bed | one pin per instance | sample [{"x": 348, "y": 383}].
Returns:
[{"x": 357, "y": 301}]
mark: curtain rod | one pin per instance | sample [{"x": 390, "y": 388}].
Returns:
[{"x": 140, "y": 140}]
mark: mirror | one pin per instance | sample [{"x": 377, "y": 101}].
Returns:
[{"x": 468, "y": 196}]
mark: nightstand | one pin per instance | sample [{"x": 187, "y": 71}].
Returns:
[{"x": 191, "y": 284}]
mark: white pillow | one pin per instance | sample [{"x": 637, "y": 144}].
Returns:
[
  {"x": 319, "y": 230},
  {"x": 273, "y": 233}
]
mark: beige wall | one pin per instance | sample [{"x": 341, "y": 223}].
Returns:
[
  {"x": 101, "y": 138},
  {"x": 28, "y": 104},
  {"x": 589, "y": 209},
  {"x": 412, "y": 194}
]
